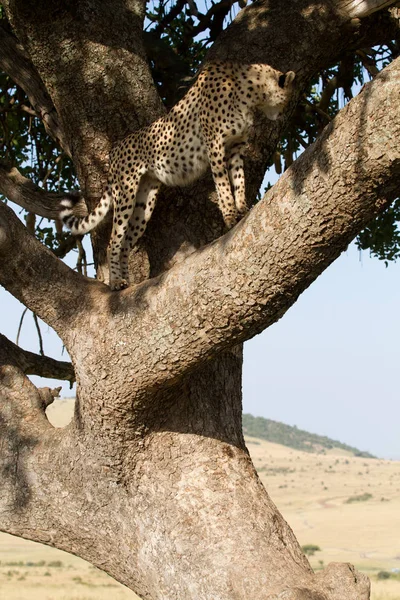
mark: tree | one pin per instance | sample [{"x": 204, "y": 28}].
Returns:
[{"x": 152, "y": 481}]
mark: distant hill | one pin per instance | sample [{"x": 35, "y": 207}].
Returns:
[{"x": 279, "y": 433}]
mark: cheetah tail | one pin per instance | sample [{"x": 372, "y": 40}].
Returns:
[{"x": 81, "y": 225}]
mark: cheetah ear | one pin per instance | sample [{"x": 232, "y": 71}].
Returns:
[
  {"x": 289, "y": 76},
  {"x": 286, "y": 79}
]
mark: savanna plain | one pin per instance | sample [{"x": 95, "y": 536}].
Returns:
[{"x": 341, "y": 508}]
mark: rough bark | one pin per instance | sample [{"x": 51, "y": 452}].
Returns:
[{"x": 151, "y": 481}]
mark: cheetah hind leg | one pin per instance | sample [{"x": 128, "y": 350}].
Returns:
[
  {"x": 236, "y": 177},
  {"x": 124, "y": 196},
  {"x": 145, "y": 202},
  {"x": 226, "y": 201}
]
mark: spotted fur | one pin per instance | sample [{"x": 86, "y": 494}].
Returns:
[{"x": 208, "y": 127}]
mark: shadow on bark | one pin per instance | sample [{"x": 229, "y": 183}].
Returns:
[
  {"x": 16, "y": 447},
  {"x": 207, "y": 402}
]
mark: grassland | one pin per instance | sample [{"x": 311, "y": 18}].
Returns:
[
  {"x": 347, "y": 506},
  {"x": 35, "y": 572}
]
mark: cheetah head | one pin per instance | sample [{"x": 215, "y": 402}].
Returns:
[{"x": 278, "y": 91}]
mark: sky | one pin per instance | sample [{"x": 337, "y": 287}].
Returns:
[{"x": 329, "y": 366}]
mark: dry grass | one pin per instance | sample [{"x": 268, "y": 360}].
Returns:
[
  {"x": 311, "y": 492},
  {"x": 29, "y": 570},
  {"x": 385, "y": 590}
]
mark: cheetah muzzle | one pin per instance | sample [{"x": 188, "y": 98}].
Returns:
[{"x": 208, "y": 127}]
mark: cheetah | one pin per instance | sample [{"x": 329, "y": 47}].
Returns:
[{"x": 208, "y": 127}]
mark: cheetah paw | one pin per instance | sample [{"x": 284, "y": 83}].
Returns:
[
  {"x": 230, "y": 221},
  {"x": 242, "y": 211},
  {"x": 119, "y": 284}
]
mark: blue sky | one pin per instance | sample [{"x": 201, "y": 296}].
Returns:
[{"x": 329, "y": 366}]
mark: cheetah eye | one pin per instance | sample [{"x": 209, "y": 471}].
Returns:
[{"x": 281, "y": 80}]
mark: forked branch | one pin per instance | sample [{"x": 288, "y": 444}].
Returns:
[
  {"x": 22, "y": 406},
  {"x": 244, "y": 282}
]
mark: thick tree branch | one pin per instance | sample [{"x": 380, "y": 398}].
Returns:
[
  {"x": 22, "y": 191},
  {"x": 35, "y": 364},
  {"x": 37, "y": 278},
  {"x": 258, "y": 32},
  {"x": 16, "y": 63},
  {"x": 234, "y": 288},
  {"x": 363, "y": 8}
]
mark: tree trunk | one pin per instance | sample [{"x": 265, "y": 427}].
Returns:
[
  {"x": 152, "y": 482},
  {"x": 179, "y": 514}
]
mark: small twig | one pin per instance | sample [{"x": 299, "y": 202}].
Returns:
[
  {"x": 28, "y": 110},
  {"x": 277, "y": 162},
  {"x": 169, "y": 17},
  {"x": 30, "y": 220},
  {"x": 300, "y": 140},
  {"x": 318, "y": 110},
  {"x": 193, "y": 8},
  {"x": 327, "y": 94},
  {"x": 216, "y": 13},
  {"x": 368, "y": 63},
  {"x": 20, "y": 325},
  {"x": 288, "y": 153},
  {"x": 50, "y": 170},
  {"x": 39, "y": 334}
]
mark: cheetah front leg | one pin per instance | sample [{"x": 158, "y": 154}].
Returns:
[
  {"x": 124, "y": 195},
  {"x": 145, "y": 202},
  {"x": 236, "y": 177},
  {"x": 226, "y": 202}
]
